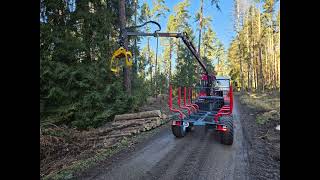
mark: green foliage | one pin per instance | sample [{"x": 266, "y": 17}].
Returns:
[
  {"x": 159, "y": 8},
  {"x": 76, "y": 86},
  {"x": 185, "y": 68}
]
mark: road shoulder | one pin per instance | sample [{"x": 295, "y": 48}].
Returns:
[{"x": 263, "y": 144}]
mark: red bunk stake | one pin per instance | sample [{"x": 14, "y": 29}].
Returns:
[
  {"x": 189, "y": 95},
  {"x": 188, "y": 104},
  {"x": 179, "y": 102},
  {"x": 181, "y": 115},
  {"x": 195, "y": 106},
  {"x": 231, "y": 98},
  {"x": 170, "y": 96},
  {"x": 226, "y": 109},
  {"x": 184, "y": 95},
  {"x": 179, "y": 96}
]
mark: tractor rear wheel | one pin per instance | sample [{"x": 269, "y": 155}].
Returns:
[
  {"x": 227, "y": 136},
  {"x": 178, "y": 131}
]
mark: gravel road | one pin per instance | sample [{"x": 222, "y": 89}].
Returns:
[{"x": 198, "y": 155}]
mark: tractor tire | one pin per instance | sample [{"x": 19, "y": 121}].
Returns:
[
  {"x": 227, "y": 137},
  {"x": 178, "y": 131}
]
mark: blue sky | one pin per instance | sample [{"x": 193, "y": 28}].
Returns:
[{"x": 221, "y": 21}]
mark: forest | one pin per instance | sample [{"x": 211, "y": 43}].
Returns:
[{"x": 77, "y": 39}]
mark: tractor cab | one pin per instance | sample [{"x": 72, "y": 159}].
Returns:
[
  {"x": 215, "y": 95},
  {"x": 221, "y": 86},
  {"x": 206, "y": 85}
]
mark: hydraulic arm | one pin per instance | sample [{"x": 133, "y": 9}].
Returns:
[{"x": 184, "y": 36}]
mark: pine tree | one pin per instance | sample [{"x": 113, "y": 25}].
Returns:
[
  {"x": 76, "y": 45},
  {"x": 258, "y": 46},
  {"x": 159, "y": 10}
]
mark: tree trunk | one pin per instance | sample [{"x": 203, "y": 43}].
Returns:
[
  {"x": 241, "y": 72},
  {"x": 126, "y": 71},
  {"x": 261, "y": 79},
  {"x": 275, "y": 71},
  {"x": 248, "y": 83},
  {"x": 135, "y": 63},
  {"x": 150, "y": 63},
  {"x": 249, "y": 53},
  {"x": 252, "y": 52},
  {"x": 267, "y": 67},
  {"x": 156, "y": 68},
  {"x": 170, "y": 57},
  {"x": 200, "y": 28}
]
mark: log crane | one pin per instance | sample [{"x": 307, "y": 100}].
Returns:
[
  {"x": 122, "y": 52},
  {"x": 209, "y": 110}
]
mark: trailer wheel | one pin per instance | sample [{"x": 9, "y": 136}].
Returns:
[
  {"x": 227, "y": 137},
  {"x": 208, "y": 126},
  {"x": 178, "y": 131},
  {"x": 189, "y": 128}
]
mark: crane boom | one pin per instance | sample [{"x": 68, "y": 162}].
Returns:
[
  {"x": 184, "y": 38},
  {"x": 128, "y": 31}
]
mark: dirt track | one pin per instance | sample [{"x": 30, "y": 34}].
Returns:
[{"x": 199, "y": 155}]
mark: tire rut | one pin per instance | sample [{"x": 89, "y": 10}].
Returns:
[
  {"x": 195, "y": 158},
  {"x": 163, "y": 165},
  {"x": 184, "y": 159}
]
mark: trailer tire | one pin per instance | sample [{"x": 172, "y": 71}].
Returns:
[
  {"x": 208, "y": 126},
  {"x": 189, "y": 128},
  {"x": 178, "y": 131},
  {"x": 227, "y": 137}
]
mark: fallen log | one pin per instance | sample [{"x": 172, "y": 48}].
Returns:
[
  {"x": 164, "y": 116},
  {"x": 132, "y": 130},
  {"x": 152, "y": 122},
  {"x": 125, "y": 128},
  {"x": 140, "y": 115},
  {"x": 128, "y": 122},
  {"x": 135, "y": 122},
  {"x": 121, "y": 134}
]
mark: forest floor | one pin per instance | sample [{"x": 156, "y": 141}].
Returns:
[
  {"x": 64, "y": 151},
  {"x": 260, "y": 115}
]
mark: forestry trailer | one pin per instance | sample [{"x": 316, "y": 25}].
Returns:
[{"x": 211, "y": 107}]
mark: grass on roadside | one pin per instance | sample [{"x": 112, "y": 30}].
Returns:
[
  {"x": 267, "y": 116},
  {"x": 267, "y": 105}
]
